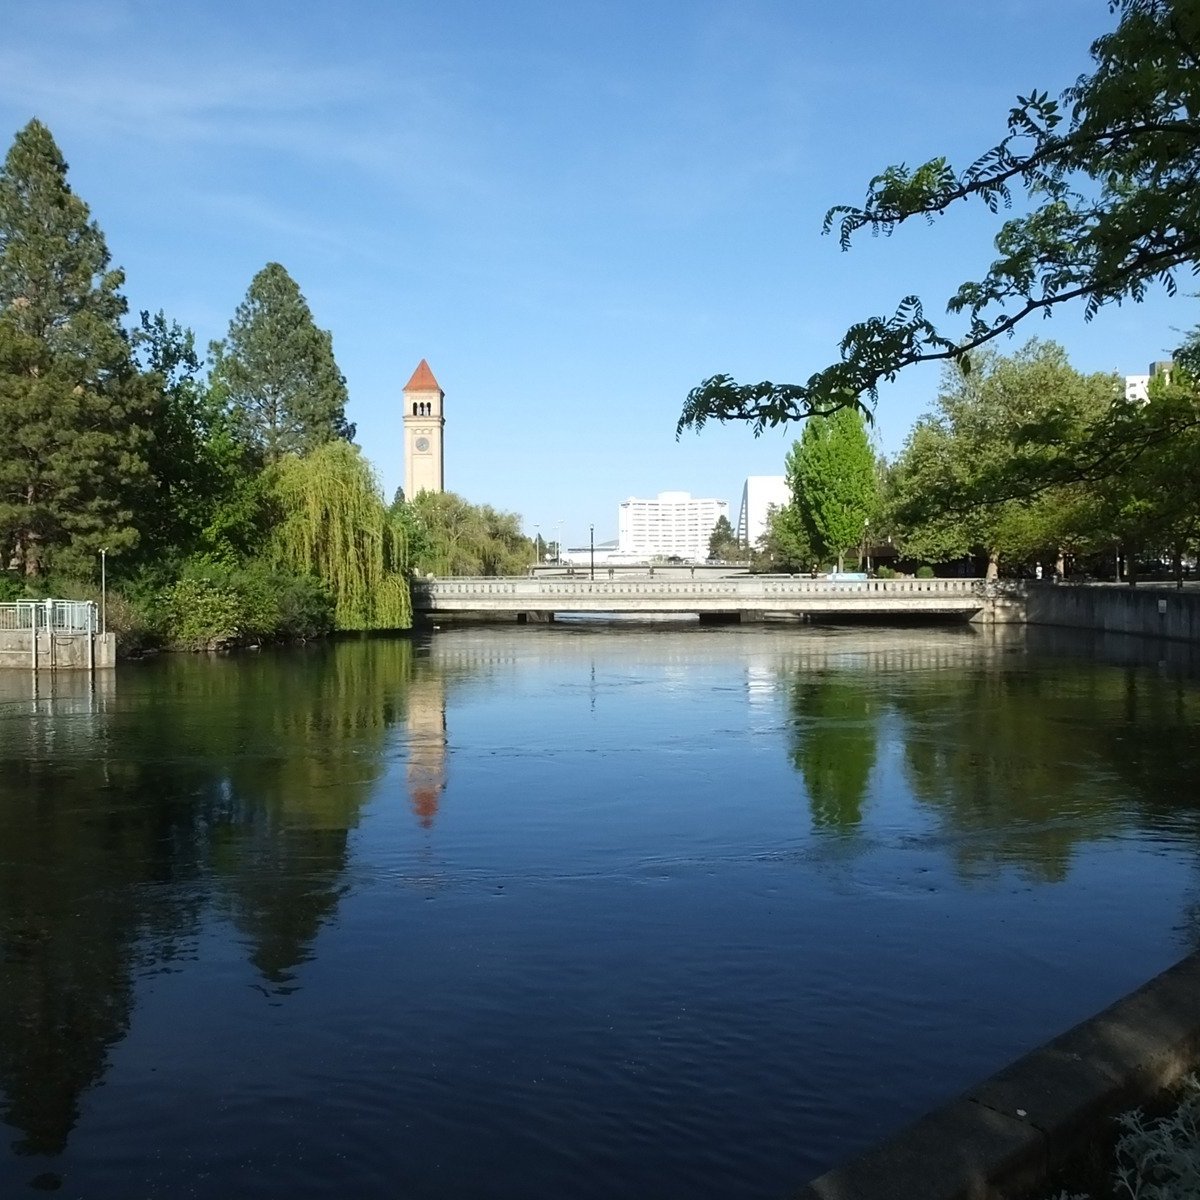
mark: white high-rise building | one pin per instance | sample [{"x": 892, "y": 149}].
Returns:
[
  {"x": 672, "y": 524},
  {"x": 1137, "y": 387},
  {"x": 758, "y": 494}
]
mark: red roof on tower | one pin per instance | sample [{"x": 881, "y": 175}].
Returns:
[{"x": 422, "y": 380}]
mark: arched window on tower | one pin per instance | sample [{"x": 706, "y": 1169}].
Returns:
[{"x": 414, "y": 408}]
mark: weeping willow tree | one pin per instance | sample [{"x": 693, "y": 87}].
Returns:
[{"x": 332, "y": 523}]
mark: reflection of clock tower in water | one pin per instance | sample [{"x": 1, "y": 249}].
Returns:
[{"x": 424, "y": 423}]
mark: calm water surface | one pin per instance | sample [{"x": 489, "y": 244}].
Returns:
[{"x": 566, "y": 911}]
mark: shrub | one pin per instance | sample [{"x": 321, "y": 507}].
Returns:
[
  {"x": 201, "y": 612},
  {"x": 884, "y": 573},
  {"x": 305, "y": 607},
  {"x": 133, "y": 621},
  {"x": 925, "y": 573},
  {"x": 215, "y": 604}
]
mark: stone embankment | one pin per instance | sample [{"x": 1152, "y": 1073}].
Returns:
[
  {"x": 1007, "y": 1137},
  {"x": 1145, "y": 611}
]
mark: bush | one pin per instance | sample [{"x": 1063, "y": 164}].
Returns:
[
  {"x": 305, "y": 607},
  {"x": 884, "y": 573},
  {"x": 216, "y": 604},
  {"x": 133, "y": 621},
  {"x": 202, "y": 613},
  {"x": 925, "y": 573},
  {"x": 12, "y": 587}
]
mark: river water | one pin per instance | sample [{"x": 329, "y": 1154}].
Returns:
[{"x": 574, "y": 910}]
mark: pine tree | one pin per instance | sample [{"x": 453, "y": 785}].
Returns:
[
  {"x": 277, "y": 370},
  {"x": 723, "y": 543},
  {"x": 73, "y": 407}
]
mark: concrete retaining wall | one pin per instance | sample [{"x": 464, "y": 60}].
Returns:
[
  {"x": 1145, "y": 611},
  {"x": 56, "y": 652},
  {"x": 1006, "y": 1137}
]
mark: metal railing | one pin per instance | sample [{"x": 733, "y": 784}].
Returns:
[
  {"x": 750, "y": 586},
  {"x": 57, "y": 616}
]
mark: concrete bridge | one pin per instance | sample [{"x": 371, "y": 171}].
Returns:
[{"x": 742, "y": 597}]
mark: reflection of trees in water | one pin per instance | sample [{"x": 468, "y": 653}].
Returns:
[
  {"x": 1022, "y": 767},
  {"x": 296, "y": 745},
  {"x": 77, "y": 858},
  {"x": 833, "y": 733},
  {"x": 238, "y": 779},
  {"x": 984, "y": 751},
  {"x": 1153, "y": 749}
]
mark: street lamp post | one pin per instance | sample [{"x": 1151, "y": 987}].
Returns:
[
  {"x": 558, "y": 545},
  {"x": 103, "y": 589},
  {"x": 536, "y": 536},
  {"x": 591, "y": 552},
  {"x": 867, "y": 542}
]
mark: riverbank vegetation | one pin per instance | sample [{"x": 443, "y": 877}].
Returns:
[
  {"x": 1022, "y": 460},
  {"x": 1154, "y": 1157},
  {"x": 226, "y": 498}
]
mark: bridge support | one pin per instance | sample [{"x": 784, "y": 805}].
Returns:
[
  {"x": 535, "y": 617},
  {"x": 750, "y": 616},
  {"x": 718, "y": 618}
]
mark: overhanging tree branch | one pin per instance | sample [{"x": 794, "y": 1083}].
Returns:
[{"x": 1115, "y": 209}]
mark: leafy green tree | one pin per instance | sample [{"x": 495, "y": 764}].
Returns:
[
  {"x": 784, "y": 544},
  {"x": 277, "y": 372},
  {"x": 330, "y": 522},
  {"x": 208, "y": 498},
  {"x": 982, "y": 471},
  {"x": 722, "y": 542},
  {"x": 1148, "y": 499},
  {"x": 451, "y": 536},
  {"x": 1108, "y": 174},
  {"x": 75, "y": 413},
  {"x": 831, "y": 474}
]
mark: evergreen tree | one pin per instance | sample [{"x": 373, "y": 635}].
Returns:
[
  {"x": 277, "y": 371},
  {"x": 74, "y": 410},
  {"x": 831, "y": 473},
  {"x": 722, "y": 542}
]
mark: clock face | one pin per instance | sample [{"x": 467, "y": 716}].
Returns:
[{"x": 421, "y": 445}]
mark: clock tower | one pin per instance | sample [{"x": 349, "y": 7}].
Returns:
[{"x": 424, "y": 423}]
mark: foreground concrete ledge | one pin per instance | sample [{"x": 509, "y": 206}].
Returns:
[{"x": 1005, "y": 1137}]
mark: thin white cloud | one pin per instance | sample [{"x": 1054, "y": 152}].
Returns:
[{"x": 406, "y": 129}]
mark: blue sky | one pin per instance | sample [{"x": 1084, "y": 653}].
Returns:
[{"x": 575, "y": 210}]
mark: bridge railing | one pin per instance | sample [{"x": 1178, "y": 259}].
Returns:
[{"x": 757, "y": 585}]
